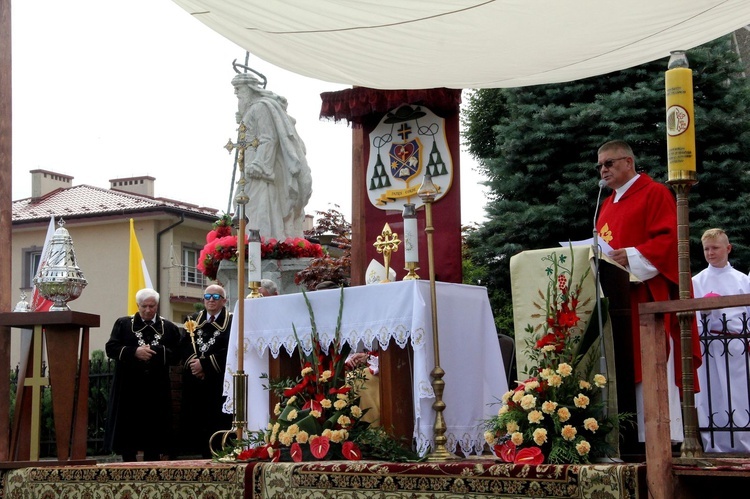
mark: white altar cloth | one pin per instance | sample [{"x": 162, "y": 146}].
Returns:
[{"x": 469, "y": 349}]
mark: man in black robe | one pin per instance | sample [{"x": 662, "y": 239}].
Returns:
[
  {"x": 203, "y": 353},
  {"x": 139, "y": 412}
]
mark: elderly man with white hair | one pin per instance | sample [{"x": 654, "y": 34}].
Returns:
[{"x": 139, "y": 414}]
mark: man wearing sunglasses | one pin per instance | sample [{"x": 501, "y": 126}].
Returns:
[
  {"x": 639, "y": 220},
  {"x": 204, "y": 355}
]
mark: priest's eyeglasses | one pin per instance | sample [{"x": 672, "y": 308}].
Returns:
[
  {"x": 215, "y": 296},
  {"x": 608, "y": 164}
]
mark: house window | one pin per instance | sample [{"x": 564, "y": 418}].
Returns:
[
  {"x": 190, "y": 272},
  {"x": 31, "y": 258}
]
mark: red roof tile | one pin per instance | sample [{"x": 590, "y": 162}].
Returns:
[{"x": 85, "y": 200}]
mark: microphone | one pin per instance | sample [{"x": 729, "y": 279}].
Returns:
[
  {"x": 602, "y": 184},
  {"x": 597, "y": 284}
]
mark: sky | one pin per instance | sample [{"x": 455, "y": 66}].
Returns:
[{"x": 105, "y": 90}]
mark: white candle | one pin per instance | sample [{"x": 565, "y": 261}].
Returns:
[
  {"x": 253, "y": 256},
  {"x": 411, "y": 237}
]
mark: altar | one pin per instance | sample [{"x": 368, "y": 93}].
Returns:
[{"x": 374, "y": 315}]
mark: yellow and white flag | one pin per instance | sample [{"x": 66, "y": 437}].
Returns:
[{"x": 138, "y": 277}]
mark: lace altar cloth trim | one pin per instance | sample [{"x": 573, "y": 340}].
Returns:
[
  {"x": 369, "y": 336},
  {"x": 476, "y": 478},
  {"x": 174, "y": 479}
]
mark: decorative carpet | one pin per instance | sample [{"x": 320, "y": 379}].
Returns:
[
  {"x": 159, "y": 479},
  {"x": 475, "y": 478}
]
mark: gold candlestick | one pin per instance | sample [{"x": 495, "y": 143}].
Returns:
[
  {"x": 386, "y": 243},
  {"x": 411, "y": 274},
  {"x": 427, "y": 192}
]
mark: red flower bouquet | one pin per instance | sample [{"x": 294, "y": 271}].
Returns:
[
  {"x": 222, "y": 245},
  {"x": 318, "y": 415},
  {"x": 557, "y": 414}
]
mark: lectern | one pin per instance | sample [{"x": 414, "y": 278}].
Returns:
[{"x": 66, "y": 335}]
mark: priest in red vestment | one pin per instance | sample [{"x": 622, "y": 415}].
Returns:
[{"x": 639, "y": 221}]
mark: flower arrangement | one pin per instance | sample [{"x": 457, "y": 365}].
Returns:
[
  {"x": 318, "y": 414},
  {"x": 557, "y": 415},
  {"x": 222, "y": 245}
]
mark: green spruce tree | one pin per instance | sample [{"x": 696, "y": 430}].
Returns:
[{"x": 537, "y": 146}]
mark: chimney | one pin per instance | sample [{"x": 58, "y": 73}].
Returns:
[
  {"x": 143, "y": 186},
  {"x": 43, "y": 182}
]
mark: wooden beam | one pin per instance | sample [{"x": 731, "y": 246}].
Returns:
[
  {"x": 6, "y": 206},
  {"x": 656, "y": 408}
]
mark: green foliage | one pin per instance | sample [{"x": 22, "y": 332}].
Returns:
[
  {"x": 334, "y": 266},
  {"x": 537, "y": 146}
]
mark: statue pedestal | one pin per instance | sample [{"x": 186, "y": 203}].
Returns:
[{"x": 281, "y": 272}]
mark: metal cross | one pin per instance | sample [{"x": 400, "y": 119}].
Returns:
[
  {"x": 386, "y": 243},
  {"x": 241, "y": 145}
]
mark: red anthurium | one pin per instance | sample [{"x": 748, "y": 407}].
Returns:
[
  {"x": 295, "y": 451},
  {"x": 313, "y": 405},
  {"x": 351, "y": 451},
  {"x": 295, "y": 389},
  {"x": 275, "y": 454},
  {"x": 505, "y": 451},
  {"x": 529, "y": 455},
  {"x": 343, "y": 389},
  {"x": 319, "y": 446},
  {"x": 547, "y": 339},
  {"x": 246, "y": 455}
]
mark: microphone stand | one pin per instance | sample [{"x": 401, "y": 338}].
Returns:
[{"x": 596, "y": 249}]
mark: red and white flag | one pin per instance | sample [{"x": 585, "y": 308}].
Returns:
[{"x": 38, "y": 302}]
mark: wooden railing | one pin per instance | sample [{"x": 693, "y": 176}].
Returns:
[{"x": 659, "y": 460}]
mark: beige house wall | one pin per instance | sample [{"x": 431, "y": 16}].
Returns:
[{"x": 101, "y": 248}]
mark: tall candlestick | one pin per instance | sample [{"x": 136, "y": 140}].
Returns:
[{"x": 427, "y": 192}]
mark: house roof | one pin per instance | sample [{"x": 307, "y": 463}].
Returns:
[{"x": 84, "y": 201}]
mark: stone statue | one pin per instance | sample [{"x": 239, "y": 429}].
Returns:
[{"x": 278, "y": 182}]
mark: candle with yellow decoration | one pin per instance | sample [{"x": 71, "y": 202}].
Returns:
[{"x": 680, "y": 118}]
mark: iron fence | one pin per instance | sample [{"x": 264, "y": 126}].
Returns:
[{"x": 723, "y": 403}]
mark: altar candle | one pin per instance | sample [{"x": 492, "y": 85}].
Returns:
[
  {"x": 253, "y": 256},
  {"x": 678, "y": 82},
  {"x": 411, "y": 237}
]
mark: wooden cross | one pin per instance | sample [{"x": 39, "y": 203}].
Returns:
[{"x": 36, "y": 382}]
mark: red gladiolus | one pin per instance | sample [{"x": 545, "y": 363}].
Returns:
[
  {"x": 568, "y": 319},
  {"x": 319, "y": 446},
  {"x": 529, "y": 455},
  {"x": 505, "y": 451},
  {"x": 351, "y": 451}
]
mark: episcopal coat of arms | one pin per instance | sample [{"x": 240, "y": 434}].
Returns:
[{"x": 411, "y": 141}]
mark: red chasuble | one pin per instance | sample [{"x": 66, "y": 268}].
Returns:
[{"x": 645, "y": 218}]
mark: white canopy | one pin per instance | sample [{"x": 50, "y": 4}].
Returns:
[{"x": 411, "y": 44}]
